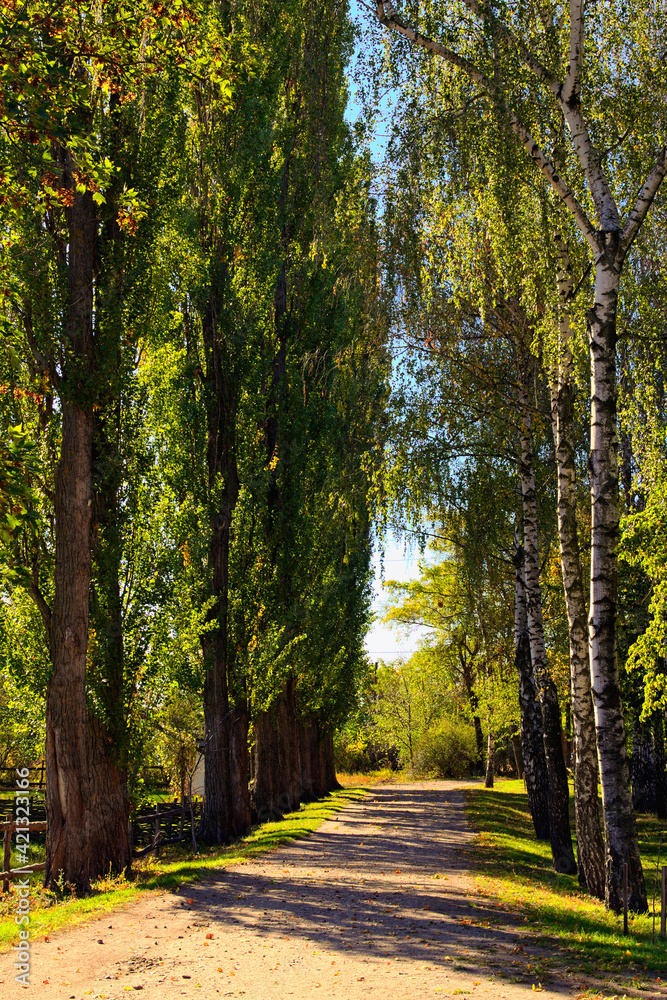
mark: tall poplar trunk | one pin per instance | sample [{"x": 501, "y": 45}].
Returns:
[
  {"x": 532, "y": 743},
  {"x": 238, "y": 768},
  {"x": 590, "y": 845},
  {"x": 226, "y": 809},
  {"x": 277, "y": 785},
  {"x": 559, "y": 814},
  {"x": 107, "y": 737},
  {"x": 619, "y": 818},
  {"x": 311, "y": 760},
  {"x": 66, "y": 752},
  {"x": 331, "y": 782}
]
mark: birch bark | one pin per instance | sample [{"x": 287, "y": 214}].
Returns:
[
  {"x": 609, "y": 243},
  {"x": 559, "y": 814},
  {"x": 620, "y": 825},
  {"x": 590, "y": 845},
  {"x": 532, "y": 743}
]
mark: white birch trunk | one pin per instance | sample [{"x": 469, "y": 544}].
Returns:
[
  {"x": 590, "y": 845},
  {"x": 619, "y": 817}
]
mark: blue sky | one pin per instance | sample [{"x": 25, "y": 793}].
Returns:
[
  {"x": 382, "y": 642},
  {"x": 400, "y": 562}
]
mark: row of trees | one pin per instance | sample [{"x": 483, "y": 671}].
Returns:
[
  {"x": 526, "y": 150},
  {"x": 193, "y": 370}
]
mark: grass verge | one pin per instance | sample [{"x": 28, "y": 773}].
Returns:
[
  {"x": 367, "y": 778},
  {"x": 514, "y": 870},
  {"x": 177, "y": 867}
]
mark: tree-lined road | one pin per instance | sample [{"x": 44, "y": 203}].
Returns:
[{"x": 377, "y": 903}]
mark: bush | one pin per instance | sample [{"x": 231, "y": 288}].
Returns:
[
  {"x": 359, "y": 753},
  {"x": 447, "y": 750}
]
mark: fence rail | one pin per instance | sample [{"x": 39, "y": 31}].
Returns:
[{"x": 170, "y": 823}]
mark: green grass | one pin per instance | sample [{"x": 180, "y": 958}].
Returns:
[
  {"x": 177, "y": 867},
  {"x": 514, "y": 871}
]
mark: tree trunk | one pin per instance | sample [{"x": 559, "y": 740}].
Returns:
[
  {"x": 643, "y": 769},
  {"x": 305, "y": 763},
  {"x": 311, "y": 761},
  {"x": 590, "y": 845},
  {"x": 216, "y": 821},
  {"x": 331, "y": 782},
  {"x": 532, "y": 743},
  {"x": 518, "y": 756},
  {"x": 479, "y": 740},
  {"x": 108, "y": 819},
  {"x": 490, "y": 761},
  {"x": 223, "y": 723},
  {"x": 66, "y": 751},
  {"x": 619, "y": 818},
  {"x": 559, "y": 813},
  {"x": 659, "y": 762},
  {"x": 238, "y": 770},
  {"x": 107, "y": 737},
  {"x": 66, "y": 754},
  {"x": 277, "y": 786}
]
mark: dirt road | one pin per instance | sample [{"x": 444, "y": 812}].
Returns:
[{"x": 376, "y": 904}]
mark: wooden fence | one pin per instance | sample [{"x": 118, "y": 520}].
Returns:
[
  {"x": 170, "y": 823},
  {"x": 7, "y": 874}
]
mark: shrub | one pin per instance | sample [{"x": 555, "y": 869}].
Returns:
[
  {"x": 447, "y": 750},
  {"x": 359, "y": 753}
]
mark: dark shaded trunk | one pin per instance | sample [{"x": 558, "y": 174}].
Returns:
[
  {"x": 559, "y": 812},
  {"x": 108, "y": 822},
  {"x": 659, "y": 763},
  {"x": 643, "y": 768},
  {"x": 311, "y": 761},
  {"x": 238, "y": 769},
  {"x": 518, "y": 756},
  {"x": 224, "y": 806},
  {"x": 532, "y": 743},
  {"x": 277, "y": 786},
  {"x": 559, "y": 805},
  {"x": 479, "y": 740},
  {"x": 490, "y": 761},
  {"x": 107, "y": 739},
  {"x": 216, "y": 822},
  {"x": 331, "y": 782}
]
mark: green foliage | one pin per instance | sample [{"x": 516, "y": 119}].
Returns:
[
  {"x": 447, "y": 749},
  {"x": 22, "y": 730},
  {"x": 409, "y": 698}
]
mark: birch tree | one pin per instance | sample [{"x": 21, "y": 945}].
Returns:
[{"x": 532, "y": 73}]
